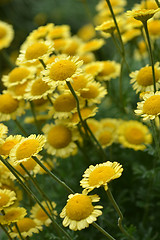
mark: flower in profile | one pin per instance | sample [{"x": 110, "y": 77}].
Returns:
[
  {"x": 27, "y": 148},
  {"x": 107, "y": 27},
  {"x": 7, "y": 198},
  {"x": 134, "y": 134},
  {"x": 62, "y": 70},
  {"x": 79, "y": 211},
  {"x": 154, "y": 28},
  {"x": 143, "y": 79},
  {"x": 27, "y": 227},
  {"x": 100, "y": 175},
  {"x": 6, "y": 34},
  {"x": 150, "y": 107},
  {"x": 59, "y": 31},
  {"x": 142, "y": 14},
  {"x": 130, "y": 34},
  {"x": 13, "y": 214},
  {"x": 91, "y": 46},
  {"x": 93, "y": 68},
  {"x": 38, "y": 214},
  {"x": 111, "y": 69},
  {"x": 3, "y": 131}
]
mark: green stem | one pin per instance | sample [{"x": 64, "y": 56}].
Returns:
[
  {"x": 150, "y": 54},
  {"x": 120, "y": 84},
  {"x": 5, "y": 230},
  {"x": 50, "y": 100},
  {"x": 103, "y": 231},
  {"x": 156, "y": 141},
  {"x": 34, "y": 115},
  {"x": 20, "y": 127},
  {"x": 158, "y": 4},
  {"x": 16, "y": 226},
  {"x": 116, "y": 207},
  {"x": 42, "y": 62}
]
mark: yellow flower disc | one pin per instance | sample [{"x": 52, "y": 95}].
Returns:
[
  {"x": 65, "y": 103},
  {"x": 7, "y": 146},
  {"x": 41, "y": 215},
  {"x": 134, "y": 135},
  {"x": 62, "y": 70},
  {"x": 92, "y": 92},
  {"x": 27, "y": 148},
  {"x": 25, "y": 225},
  {"x": 79, "y": 82},
  {"x": 145, "y": 77},
  {"x": 59, "y": 136},
  {"x": 39, "y": 87},
  {"x": 79, "y": 207},
  {"x": 18, "y": 74},
  {"x": 152, "y": 105},
  {"x": 105, "y": 137},
  {"x": 36, "y": 50},
  {"x": 8, "y": 104},
  {"x": 4, "y": 199},
  {"x": 108, "y": 69},
  {"x": 2, "y": 32},
  {"x": 101, "y": 175}
]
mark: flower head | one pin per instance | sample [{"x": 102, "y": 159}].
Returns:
[
  {"x": 143, "y": 14},
  {"x": 7, "y": 198},
  {"x": 6, "y": 34},
  {"x": 12, "y": 215}
]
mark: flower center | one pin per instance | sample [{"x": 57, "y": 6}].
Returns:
[
  {"x": 79, "y": 82},
  {"x": 11, "y": 215},
  {"x": 92, "y": 92},
  {"x": 108, "y": 68},
  {"x": 4, "y": 199},
  {"x": 41, "y": 215},
  {"x": 79, "y": 207},
  {"x": 7, "y": 146},
  {"x": 19, "y": 89},
  {"x": 59, "y": 136},
  {"x": 8, "y": 104},
  {"x": 105, "y": 138},
  {"x": 36, "y": 50},
  {"x": 65, "y": 103},
  {"x": 18, "y": 74},
  {"x": 145, "y": 77},
  {"x": 27, "y": 148},
  {"x": 134, "y": 135},
  {"x": 62, "y": 70},
  {"x": 101, "y": 175},
  {"x": 152, "y": 105},
  {"x": 39, "y": 87},
  {"x": 25, "y": 225},
  {"x": 2, "y": 32}
]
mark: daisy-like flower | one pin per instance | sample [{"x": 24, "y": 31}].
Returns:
[
  {"x": 27, "y": 148},
  {"x": 71, "y": 46},
  {"x": 105, "y": 136},
  {"x": 62, "y": 70},
  {"x": 102, "y": 4},
  {"x": 12, "y": 215},
  {"x": 150, "y": 107},
  {"x": 3, "y": 131},
  {"x": 33, "y": 51},
  {"x": 154, "y": 28},
  {"x": 93, "y": 68},
  {"x": 18, "y": 91},
  {"x": 93, "y": 124},
  {"x": 111, "y": 69},
  {"x": 143, "y": 79},
  {"x": 40, "y": 216},
  {"x": 6, "y": 34},
  {"x": 79, "y": 211},
  {"x": 100, "y": 175},
  {"x": 134, "y": 134},
  {"x": 91, "y": 46},
  {"x": 107, "y": 27},
  {"x": 86, "y": 32},
  {"x": 59, "y": 31},
  {"x": 10, "y": 107},
  {"x": 7, "y": 144},
  {"x": 60, "y": 139},
  {"x": 143, "y": 14},
  {"x": 27, "y": 227},
  {"x": 7, "y": 198},
  {"x": 130, "y": 35},
  {"x": 110, "y": 123},
  {"x": 40, "y": 33},
  {"x": 141, "y": 52},
  {"x": 18, "y": 75},
  {"x": 87, "y": 57}
]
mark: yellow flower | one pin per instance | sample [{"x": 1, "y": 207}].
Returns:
[
  {"x": 93, "y": 68},
  {"x": 79, "y": 211},
  {"x": 6, "y": 34},
  {"x": 7, "y": 198},
  {"x": 143, "y": 14},
  {"x": 71, "y": 46},
  {"x": 107, "y": 27},
  {"x": 59, "y": 31},
  {"x": 3, "y": 131},
  {"x": 40, "y": 33},
  {"x": 27, "y": 227},
  {"x": 154, "y": 28},
  {"x": 100, "y": 175},
  {"x": 91, "y": 45},
  {"x": 105, "y": 136},
  {"x": 18, "y": 91},
  {"x": 27, "y": 148},
  {"x": 13, "y": 214},
  {"x": 130, "y": 35},
  {"x": 86, "y": 32},
  {"x": 40, "y": 216},
  {"x": 134, "y": 134},
  {"x": 111, "y": 69},
  {"x": 143, "y": 79},
  {"x": 150, "y": 107}
]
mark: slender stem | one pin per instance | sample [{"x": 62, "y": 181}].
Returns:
[
  {"x": 50, "y": 100},
  {"x": 42, "y": 62},
  {"x": 16, "y": 226},
  {"x": 150, "y": 54},
  {"x": 116, "y": 207},
  {"x": 156, "y": 141},
  {"x": 5, "y": 230},
  {"x": 103, "y": 231},
  {"x": 34, "y": 115},
  {"x": 21, "y": 128},
  {"x": 158, "y": 3},
  {"x": 120, "y": 83}
]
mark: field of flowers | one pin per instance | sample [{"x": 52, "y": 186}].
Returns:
[{"x": 79, "y": 120}]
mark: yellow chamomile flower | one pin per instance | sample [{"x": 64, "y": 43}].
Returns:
[
  {"x": 12, "y": 215},
  {"x": 93, "y": 68},
  {"x": 6, "y": 34},
  {"x": 86, "y": 32},
  {"x": 79, "y": 211},
  {"x": 3, "y": 131},
  {"x": 143, "y": 79},
  {"x": 150, "y": 107},
  {"x": 62, "y": 70},
  {"x": 105, "y": 136},
  {"x": 26, "y": 148},
  {"x": 7, "y": 198},
  {"x": 40, "y": 216},
  {"x": 134, "y": 134},
  {"x": 111, "y": 69},
  {"x": 27, "y": 227},
  {"x": 154, "y": 28},
  {"x": 59, "y": 31},
  {"x": 10, "y": 107},
  {"x": 91, "y": 45},
  {"x": 142, "y": 14},
  {"x": 130, "y": 34},
  {"x": 100, "y": 175},
  {"x": 40, "y": 33},
  {"x": 107, "y": 27},
  {"x": 60, "y": 139}
]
